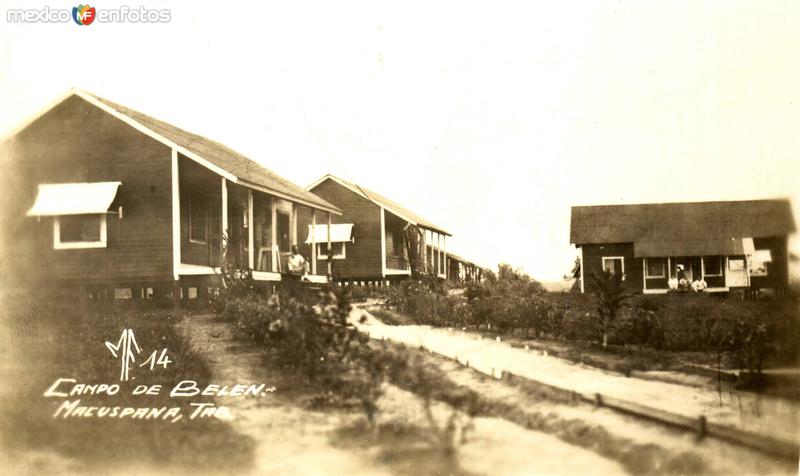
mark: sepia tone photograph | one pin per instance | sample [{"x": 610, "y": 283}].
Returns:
[{"x": 400, "y": 238}]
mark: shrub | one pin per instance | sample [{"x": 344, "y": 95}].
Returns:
[{"x": 610, "y": 295}]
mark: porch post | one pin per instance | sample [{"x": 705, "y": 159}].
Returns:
[
  {"x": 583, "y": 272},
  {"x": 294, "y": 224},
  {"x": 224, "y": 214},
  {"x": 250, "y": 230},
  {"x": 330, "y": 258},
  {"x": 383, "y": 242},
  {"x": 314, "y": 241},
  {"x": 176, "y": 218},
  {"x": 446, "y": 264},
  {"x": 274, "y": 230},
  {"x": 702, "y": 269},
  {"x": 438, "y": 254},
  {"x": 176, "y": 232},
  {"x": 644, "y": 274}
]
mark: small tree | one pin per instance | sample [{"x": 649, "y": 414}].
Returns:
[{"x": 607, "y": 288}]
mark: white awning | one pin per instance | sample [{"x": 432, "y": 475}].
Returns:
[
  {"x": 763, "y": 256},
  {"x": 341, "y": 232},
  {"x": 74, "y": 198}
]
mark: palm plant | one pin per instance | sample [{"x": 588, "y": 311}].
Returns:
[{"x": 610, "y": 293}]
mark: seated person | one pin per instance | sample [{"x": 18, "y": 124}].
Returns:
[
  {"x": 699, "y": 285},
  {"x": 297, "y": 263},
  {"x": 673, "y": 284},
  {"x": 683, "y": 280}
]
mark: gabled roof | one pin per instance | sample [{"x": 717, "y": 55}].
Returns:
[
  {"x": 665, "y": 222},
  {"x": 213, "y": 155},
  {"x": 384, "y": 202}
]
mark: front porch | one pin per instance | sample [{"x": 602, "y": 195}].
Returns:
[
  {"x": 429, "y": 245},
  {"x": 711, "y": 274},
  {"x": 241, "y": 225}
]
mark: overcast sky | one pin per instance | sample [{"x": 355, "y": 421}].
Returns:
[{"x": 489, "y": 120}]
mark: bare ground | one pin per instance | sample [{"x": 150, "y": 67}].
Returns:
[
  {"x": 291, "y": 438},
  {"x": 642, "y": 447}
]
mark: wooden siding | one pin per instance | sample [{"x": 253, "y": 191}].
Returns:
[
  {"x": 593, "y": 261},
  {"x": 777, "y": 271},
  {"x": 76, "y": 142},
  {"x": 364, "y": 256}
]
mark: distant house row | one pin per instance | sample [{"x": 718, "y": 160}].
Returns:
[
  {"x": 715, "y": 246},
  {"x": 372, "y": 238},
  {"x": 125, "y": 205}
]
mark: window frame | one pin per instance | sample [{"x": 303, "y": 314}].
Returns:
[
  {"x": 342, "y": 255},
  {"x": 622, "y": 260},
  {"x": 73, "y": 245},
  {"x": 705, "y": 267},
  {"x": 192, "y": 203},
  {"x": 647, "y": 274}
]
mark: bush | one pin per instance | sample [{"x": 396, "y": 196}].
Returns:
[
  {"x": 427, "y": 302},
  {"x": 318, "y": 342},
  {"x": 512, "y": 300}
]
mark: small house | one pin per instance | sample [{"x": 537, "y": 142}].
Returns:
[
  {"x": 723, "y": 246},
  {"x": 371, "y": 240},
  {"x": 123, "y": 205}
]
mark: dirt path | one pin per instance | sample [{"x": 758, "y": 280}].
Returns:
[
  {"x": 292, "y": 440},
  {"x": 289, "y": 440},
  {"x": 775, "y": 417}
]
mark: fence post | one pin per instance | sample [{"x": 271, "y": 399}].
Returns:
[{"x": 702, "y": 429}]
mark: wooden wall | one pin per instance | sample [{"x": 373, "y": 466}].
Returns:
[
  {"x": 777, "y": 271},
  {"x": 364, "y": 257},
  {"x": 593, "y": 261},
  {"x": 77, "y": 142}
]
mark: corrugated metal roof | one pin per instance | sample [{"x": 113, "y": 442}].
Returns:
[
  {"x": 712, "y": 247},
  {"x": 388, "y": 204},
  {"x": 244, "y": 169},
  {"x": 667, "y": 222}
]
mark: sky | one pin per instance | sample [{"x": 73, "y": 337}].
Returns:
[{"x": 489, "y": 119}]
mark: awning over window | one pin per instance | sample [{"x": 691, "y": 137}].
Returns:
[
  {"x": 74, "y": 198},
  {"x": 341, "y": 232},
  {"x": 710, "y": 247},
  {"x": 763, "y": 256}
]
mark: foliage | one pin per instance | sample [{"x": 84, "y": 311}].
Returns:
[
  {"x": 610, "y": 294},
  {"x": 319, "y": 342},
  {"x": 427, "y": 301},
  {"x": 511, "y": 299}
]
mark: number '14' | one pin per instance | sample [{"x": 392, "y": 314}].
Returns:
[{"x": 156, "y": 359}]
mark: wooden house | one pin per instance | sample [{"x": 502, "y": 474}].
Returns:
[
  {"x": 370, "y": 239},
  {"x": 726, "y": 245},
  {"x": 461, "y": 271},
  {"x": 125, "y": 205}
]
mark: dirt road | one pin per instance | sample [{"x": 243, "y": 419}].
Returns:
[{"x": 294, "y": 440}]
